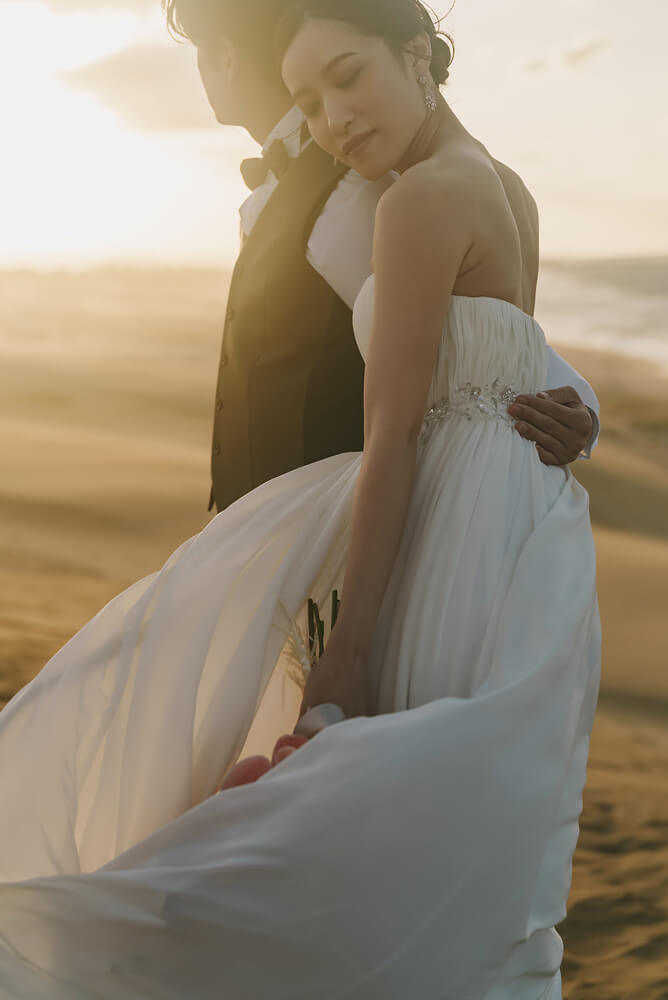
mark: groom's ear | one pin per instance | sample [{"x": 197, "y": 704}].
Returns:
[{"x": 223, "y": 57}]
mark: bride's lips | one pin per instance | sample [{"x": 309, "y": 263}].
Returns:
[{"x": 356, "y": 142}]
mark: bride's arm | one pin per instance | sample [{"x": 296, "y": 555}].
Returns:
[{"x": 422, "y": 235}]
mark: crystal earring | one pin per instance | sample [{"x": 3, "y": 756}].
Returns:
[{"x": 429, "y": 98}]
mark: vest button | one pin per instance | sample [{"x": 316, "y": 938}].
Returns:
[
  {"x": 216, "y": 449},
  {"x": 223, "y": 359},
  {"x": 219, "y": 404},
  {"x": 231, "y": 313}
]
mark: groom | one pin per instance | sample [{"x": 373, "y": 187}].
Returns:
[{"x": 290, "y": 381}]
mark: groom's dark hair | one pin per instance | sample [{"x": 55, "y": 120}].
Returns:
[{"x": 250, "y": 24}]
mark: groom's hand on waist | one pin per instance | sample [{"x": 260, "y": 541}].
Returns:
[{"x": 557, "y": 421}]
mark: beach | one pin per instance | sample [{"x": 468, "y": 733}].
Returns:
[{"x": 106, "y": 385}]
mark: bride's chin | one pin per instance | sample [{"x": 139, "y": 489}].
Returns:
[{"x": 371, "y": 171}]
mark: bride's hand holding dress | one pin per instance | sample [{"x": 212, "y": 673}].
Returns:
[
  {"x": 341, "y": 678},
  {"x": 251, "y": 769}
]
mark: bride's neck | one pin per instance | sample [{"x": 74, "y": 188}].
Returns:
[{"x": 436, "y": 127}]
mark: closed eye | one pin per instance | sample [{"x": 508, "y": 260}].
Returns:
[
  {"x": 313, "y": 109},
  {"x": 351, "y": 80}
]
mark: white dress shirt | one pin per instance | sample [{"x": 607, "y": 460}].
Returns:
[{"x": 341, "y": 242}]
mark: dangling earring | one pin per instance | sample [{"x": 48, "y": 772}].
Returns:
[{"x": 429, "y": 98}]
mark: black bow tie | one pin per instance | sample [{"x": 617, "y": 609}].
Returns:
[{"x": 254, "y": 170}]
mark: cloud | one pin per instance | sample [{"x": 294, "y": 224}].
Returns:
[
  {"x": 536, "y": 66},
  {"x": 70, "y": 6},
  {"x": 153, "y": 87},
  {"x": 574, "y": 57},
  {"x": 578, "y": 55}
]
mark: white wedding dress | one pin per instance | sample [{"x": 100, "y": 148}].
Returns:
[{"x": 422, "y": 852}]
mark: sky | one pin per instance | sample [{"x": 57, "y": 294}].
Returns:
[{"x": 111, "y": 153}]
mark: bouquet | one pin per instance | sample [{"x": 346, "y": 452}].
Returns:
[{"x": 304, "y": 652}]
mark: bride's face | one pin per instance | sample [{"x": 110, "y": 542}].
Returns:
[{"x": 363, "y": 103}]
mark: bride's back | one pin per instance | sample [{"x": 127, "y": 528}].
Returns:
[
  {"x": 525, "y": 213},
  {"x": 503, "y": 261}
]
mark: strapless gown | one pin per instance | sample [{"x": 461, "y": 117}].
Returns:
[{"x": 425, "y": 851}]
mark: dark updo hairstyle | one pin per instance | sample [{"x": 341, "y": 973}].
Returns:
[{"x": 396, "y": 21}]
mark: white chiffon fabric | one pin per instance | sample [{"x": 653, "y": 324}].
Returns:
[{"x": 425, "y": 851}]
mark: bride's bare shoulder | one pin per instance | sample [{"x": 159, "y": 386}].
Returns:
[
  {"x": 434, "y": 187},
  {"x": 462, "y": 174},
  {"x": 424, "y": 210}
]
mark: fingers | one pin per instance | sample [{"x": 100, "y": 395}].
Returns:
[
  {"x": 245, "y": 772},
  {"x": 566, "y": 395},
  {"x": 541, "y": 427},
  {"x": 546, "y": 457},
  {"x": 282, "y": 755},
  {"x": 546, "y": 445},
  {"x": 561, "y": 429},
  {"x": 251, "y": 769},
  {"x": 544, "y": 413},
  {"x": 288, "y": 742}
]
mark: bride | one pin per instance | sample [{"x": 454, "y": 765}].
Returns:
[{"x": 422, "y": 846}]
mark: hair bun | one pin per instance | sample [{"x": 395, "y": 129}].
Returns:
[
  {"x": 443, "y": 51},
  {"x": 442, "y": 56}
]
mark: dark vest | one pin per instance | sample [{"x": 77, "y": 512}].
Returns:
[{"x": 291, "y": 378}]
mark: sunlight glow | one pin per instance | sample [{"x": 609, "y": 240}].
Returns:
[
  {"x": 79, "y": 186},
  {"x": 566, "y": 94}
]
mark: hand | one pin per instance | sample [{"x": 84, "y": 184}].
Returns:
[
  {"x": 251, "y": 769},
  {"x": 557, "y": 420},
  {"x": 339, "y": 679}
]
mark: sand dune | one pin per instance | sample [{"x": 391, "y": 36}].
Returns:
[
  {"x": 616, "y": 932},
  {"x": 106, "y": 385}
]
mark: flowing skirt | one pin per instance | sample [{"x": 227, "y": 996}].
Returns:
[{"x": 417, "y": 852}]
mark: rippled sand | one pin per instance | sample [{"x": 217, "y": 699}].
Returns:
[{"x": 616, "y": 931}]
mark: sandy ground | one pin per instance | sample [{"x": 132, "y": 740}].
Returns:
[{"x": 106, "y": 384}]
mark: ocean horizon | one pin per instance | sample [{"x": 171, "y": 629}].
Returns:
[{"x": 615, "y": 304}]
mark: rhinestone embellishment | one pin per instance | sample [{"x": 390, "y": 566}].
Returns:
[{"x": 491, "y": 400}]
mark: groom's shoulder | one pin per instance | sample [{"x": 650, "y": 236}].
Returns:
[
  {"x": 517, "y": 190},
  {"x": 510, "y": 176}
]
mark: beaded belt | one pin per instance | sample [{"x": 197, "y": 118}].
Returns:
[{"x": 491, "y": 400}]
